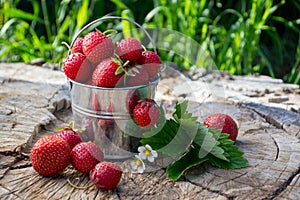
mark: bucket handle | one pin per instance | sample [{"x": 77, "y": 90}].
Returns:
[{"x": 109, "y": 18}]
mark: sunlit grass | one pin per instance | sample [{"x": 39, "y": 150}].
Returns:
[{"x": 241, "y": 37}]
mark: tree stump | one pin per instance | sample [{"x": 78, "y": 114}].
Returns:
[{"x": 34, "y": 101}]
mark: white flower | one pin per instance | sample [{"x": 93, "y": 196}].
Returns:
[
  {"x": 146, "y": 152},
  {"x": 138, "y": 164}
]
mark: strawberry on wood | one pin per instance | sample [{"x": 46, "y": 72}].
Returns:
[
  {"x": 85, "y": 155},
  {"x": 50, "y": 155},
  {"x": 71, "y": 136},
  {"x": 223, "y": 122},
  {"x": 106, "y": 175}
]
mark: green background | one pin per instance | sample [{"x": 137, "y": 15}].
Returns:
[{"x": 242, "y": 37}]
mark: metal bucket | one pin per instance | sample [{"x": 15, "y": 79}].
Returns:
[{"x": 112, "y": 129}]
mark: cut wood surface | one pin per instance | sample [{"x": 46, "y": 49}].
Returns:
[{"x": 34, "y": 101}]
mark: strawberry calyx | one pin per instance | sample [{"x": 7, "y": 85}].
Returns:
[
  {"x": 70, "y": 126},
  {"x": 120, "y": 68}
]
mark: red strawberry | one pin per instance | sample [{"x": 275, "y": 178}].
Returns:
[
  {"x": 146, "y": 113},
  {"x": 131, "y": 100},
  {"x": 97, "y": 47},
  {"x": 139, "y": 77},
  {"x": 223, "y": 122},
  {"x": 71, "y": 136},
  {"x": 151, "y": 61},
  {"x": 105, "y": 74},
  {"x": 95, "y": 103},
  {"x": 106, "y": 175},
  {"x": 77, "y": 46},
  {"x": 50, "y": 155},
  {"x": 85, "y": 155},
  {"x": 104, "y": 124},
  {"x": 89, "y": 82},
  {"x": 129, "y": 49},
  {"x": 77, "y": 67}
]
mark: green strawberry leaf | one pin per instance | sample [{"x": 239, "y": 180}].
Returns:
[
  {"x": 208, "y": 143},
  {"x": 181, "y": 112},
  {"x": 193, "y": 144},
  {"x": 232, "y": 153},
  {"x": 169, "y": 140},
  {"x": 175, "y": 137},
  {"x": 190, "y": 159},
  {"x": 119, "y": 70}
]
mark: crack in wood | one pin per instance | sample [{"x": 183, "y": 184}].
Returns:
[
  {"x": 10, "y": 193},
  {"x": 278, "y": 117},
  {"x": 233, "y": 179},
  {"x": 118, "y": 193},
  {"x": 277, "y": 147},
  {"x": 229, "y": 197},
  {"x": 283, "y": 187},
  {"x": 298, "y": 133}
]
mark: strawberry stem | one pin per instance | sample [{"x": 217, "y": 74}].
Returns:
[
  {"x": 98, "y": 31},
  {"x": 126, "y": 63},
  {"x": 109, "y": 31}
]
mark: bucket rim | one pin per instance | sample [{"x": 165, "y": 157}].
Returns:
[{"x": 155, "y": 82}]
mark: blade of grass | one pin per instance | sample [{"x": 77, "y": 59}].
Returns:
[
  {"x": 46, "y": 19},
  {"x": 16, "y": 13},
  {"x": 83, "y": 15}
]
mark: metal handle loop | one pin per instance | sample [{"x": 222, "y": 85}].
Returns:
[{"x": 114, "y": 17}]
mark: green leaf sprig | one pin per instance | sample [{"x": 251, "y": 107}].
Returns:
[{"x": 193, "y": 143}]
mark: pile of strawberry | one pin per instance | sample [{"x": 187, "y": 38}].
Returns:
[
  {"x": 52, "y": 154},
  {"x": 94, "y": 60}
]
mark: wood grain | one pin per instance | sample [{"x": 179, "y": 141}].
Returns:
[{"x": 34, "y": 101}]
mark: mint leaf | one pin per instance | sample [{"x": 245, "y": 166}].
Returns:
[{"x": 176, "y": 169}]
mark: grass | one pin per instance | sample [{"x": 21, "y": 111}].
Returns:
[
  {"x": 242, "y": 37},
  {"x": 28, "y": 35}
]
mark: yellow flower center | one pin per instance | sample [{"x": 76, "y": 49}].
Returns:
[
  {"x": 138, "y": 162},
  {"x": 147, "y": 152}
]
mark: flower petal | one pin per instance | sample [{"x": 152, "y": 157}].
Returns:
[
  {"x": 154, "y": 153},
  {"x": 141, "y": 149},
  {"x": 148, "y": 147},
  {"x": 142, "y": 156},
  {"x": 140, "y": 169},
  {"x": 133, "y": 165},
  {"x": 150, "y": 158}
]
